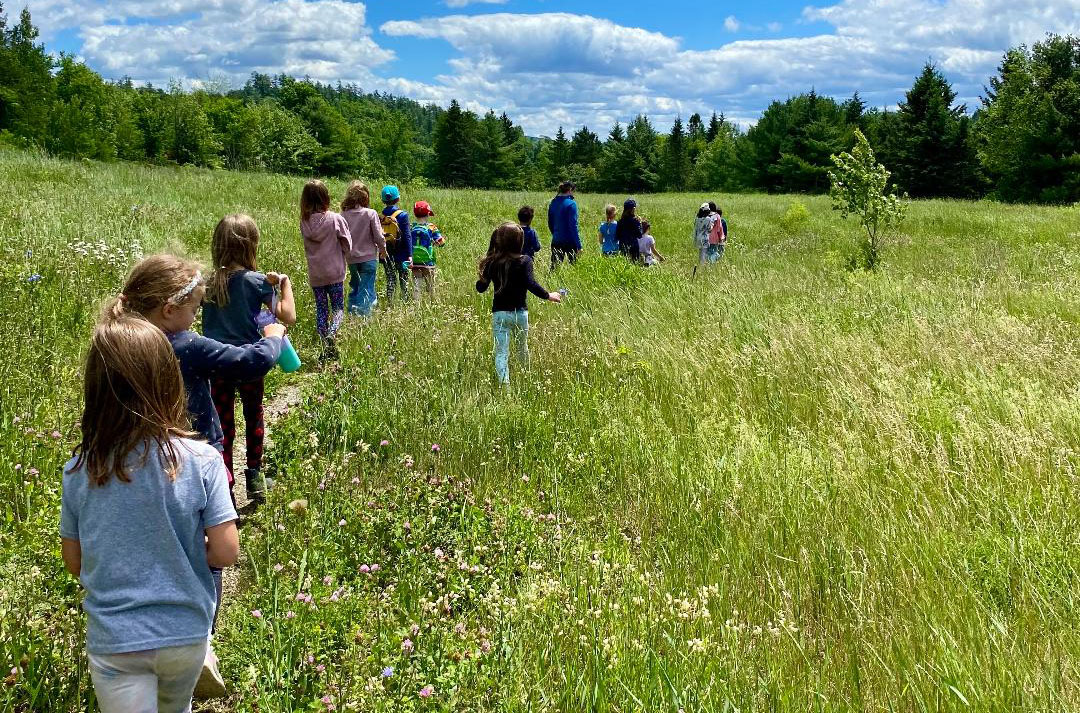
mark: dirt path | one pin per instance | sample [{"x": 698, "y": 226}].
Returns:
[{"x": 285, "y": 398}]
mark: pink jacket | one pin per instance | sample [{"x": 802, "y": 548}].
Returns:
[
  {"x": 326, "y": 241},
  {"x": 367, "y": 235}
]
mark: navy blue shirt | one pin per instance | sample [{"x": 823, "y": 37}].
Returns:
[
  {"x": 202, "y": 359},
  {"x": 404, "y": 246},
  {"x": 510, "y": 296},
  {"x": 234, "y": 323},
  {"x": 532, "y": 241}
]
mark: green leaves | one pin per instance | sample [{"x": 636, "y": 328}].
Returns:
[{"x": 859, "y": 188}]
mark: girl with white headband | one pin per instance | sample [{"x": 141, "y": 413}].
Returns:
[{"x": 168, "y": 291}]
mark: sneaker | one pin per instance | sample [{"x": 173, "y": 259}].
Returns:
[
  {"x": 257, "y": 484},
  {"x": 210, "y": 684}
]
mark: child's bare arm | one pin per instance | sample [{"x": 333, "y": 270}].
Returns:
[
  {"x": 222, "y": 544},
  {"x": 286, "y": 306},
  {"x": 71, "y": 551}
]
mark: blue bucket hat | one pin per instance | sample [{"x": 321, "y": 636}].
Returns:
[{"x": 390, "y": 194}]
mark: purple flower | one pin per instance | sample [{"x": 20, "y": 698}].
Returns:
[
  {"x": 34, "y": 278},
  {"x": 256, "y": 613},
  {"x": 427, "y": 691},
  {"x": 365, "y": 569},
  {"x": 290, "y": 614},
  {"x": 388, "y": 672},
  {"x": 374, "y": 568},
  {"x": 407, "y": 646},
  {"x": 384, "y": 442},
  {"x": 435, "y": 448}
]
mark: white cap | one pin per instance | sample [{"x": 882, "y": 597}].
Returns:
[{"x": 705, "y": 206}]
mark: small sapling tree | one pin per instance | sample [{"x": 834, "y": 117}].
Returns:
[{"x": 859, "y": 188}]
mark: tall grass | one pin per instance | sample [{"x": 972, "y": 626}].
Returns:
[{"x": 770, "y": 484}]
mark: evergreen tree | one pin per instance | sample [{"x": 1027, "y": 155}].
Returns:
[
  {"x": 715, "y": 127},
  {"x": 454, "y": 148},
  {"x": 676, "y": 163},
  {"x": 696, "y": 139},
  {"x": 1029, "y": 125},
  {"x": 26, "y": 82},
  {"x": 585, "y": 147},
  {"x": 643, "y": 169},
  {"x": 558, "y": 158},
  {"x": 933, "y": 157},
  {"x": 81, "y": 124}
]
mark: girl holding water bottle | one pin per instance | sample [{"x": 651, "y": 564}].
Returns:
[{"x": 236, "y": 297}]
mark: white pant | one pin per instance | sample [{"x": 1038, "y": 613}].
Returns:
[{"x": 154, "y": 681}]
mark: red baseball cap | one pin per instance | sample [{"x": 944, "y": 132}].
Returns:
[{"x": 422, "y": 210}]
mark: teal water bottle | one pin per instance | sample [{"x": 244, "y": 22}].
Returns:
[{"x": 289, "y": 361}]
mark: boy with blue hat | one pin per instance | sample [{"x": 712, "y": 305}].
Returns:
[{"x": 399, "y": 247}]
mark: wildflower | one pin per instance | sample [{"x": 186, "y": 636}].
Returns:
[
  {"x": 374, "y": 568},
  {"x": 388, "y": 672},
  {"x": 34, "y": 278},
  {"x": 384, "y": 443},
  {"x": 278, "y": 567},
  {"x": 32, "y": 471},
  {"x": 407, "y": 646},
  {"x": 364, "y": 569},
  {"x": 485, "y": 646},
  {"x": 327, "y": 580},
  {"x": 326, "y": 701},
  {"x": 57, "y": 435},
  {"x": 298, "y": 507},
  {"x": 406, "y": 526},
  {"x": 435, "y": 448},
  {"x": 427, "y": 691},
  {"x": 320, "y": 668},
  {"x": 524, "y": 479},
  {"x": 355, "y": 481},
  {"x": 414, "y": 629},
  {"x": 341, "y": 522},
  {"x": 18, "y": 467},
  {"x": 279, "y": 527},
  {"x": 290, "y": 614},
  {"x": 256, "y": 613}
]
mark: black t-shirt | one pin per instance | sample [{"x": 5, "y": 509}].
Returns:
[
  {"x": 519, "y": 281},
  {"x": 627, "y": 233}
]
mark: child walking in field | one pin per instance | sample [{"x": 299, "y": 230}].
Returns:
[
  {"x": 512, "y": 274},
  {"x": 717, "y": 234},
  {"x": 425, "y": 238},
  {"x": 703, "y": 225},
  {"x": 145, "y": 513},
  {"x": 236, "y": 295},
  {"x": 399, "y": 248},
  {"x": 368, "y": 245},
  {"x": 327, "y": 241},
  {"x": 609, "y": 244},
  {"x": 167, "y": 291},
  {"x": 647, "y": 246},
  {"x": 531, "y": 246}
]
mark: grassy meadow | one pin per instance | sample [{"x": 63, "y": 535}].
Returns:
[{"x": 775, "y": 485}]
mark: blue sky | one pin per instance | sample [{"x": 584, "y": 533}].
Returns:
[{"x": 549, "y": 63}]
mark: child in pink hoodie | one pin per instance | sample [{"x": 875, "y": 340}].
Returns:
[{"x": 326, "y": 241}]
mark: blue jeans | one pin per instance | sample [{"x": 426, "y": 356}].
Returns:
[
  {"x": 362, "y": 287},
  {"x": 505, "y": 325},
  {"x": 716, "y": 252}
]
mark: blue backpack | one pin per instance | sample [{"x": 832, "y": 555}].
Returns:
[{"x": 423, "y": 236}]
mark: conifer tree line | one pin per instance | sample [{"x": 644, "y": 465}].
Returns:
[{"x": 1021, "y": 144}]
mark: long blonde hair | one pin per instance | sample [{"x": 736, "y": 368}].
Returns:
[
  {"x": 133, "y": 393},
  {"x": 357, "y": 195},
  {"x": 234, "y": 247},
  {"x": 154, "y": 281}
]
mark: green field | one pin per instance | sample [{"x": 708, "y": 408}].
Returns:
[{"x": 777, "y": 485}]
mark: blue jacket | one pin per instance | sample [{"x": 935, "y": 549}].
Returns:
[
  {"x": 202, "y": 359},
  {"x": 404, "y": 247},
  {"x": 532, "y": 242},
  {"x": 563, "y": 223}
]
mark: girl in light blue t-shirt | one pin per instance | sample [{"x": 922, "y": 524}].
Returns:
[
  {"x": 140, "y": 497},
  {"x": 609, "y": 244}
]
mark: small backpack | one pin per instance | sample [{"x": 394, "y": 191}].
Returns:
[
  {"x": 423, "y": 243},
  {"x": 390, "y": 229}
]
